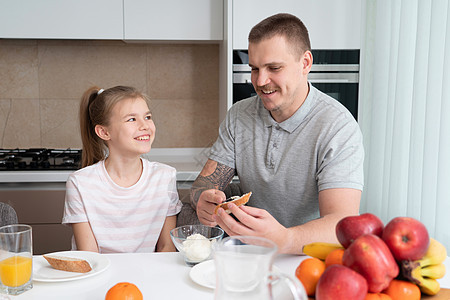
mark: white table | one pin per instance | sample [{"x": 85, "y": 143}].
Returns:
[{"x": 158, "y": 276}]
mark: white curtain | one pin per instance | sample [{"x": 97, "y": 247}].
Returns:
[{"x": 404, "y": 111}]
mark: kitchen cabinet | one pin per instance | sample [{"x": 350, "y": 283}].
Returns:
[
  {"x": 43, "y": 210},
  {"x": 195, "y": 20},
  {"x": 56, "y": 19},
  {"x": 331, "y": 24}
]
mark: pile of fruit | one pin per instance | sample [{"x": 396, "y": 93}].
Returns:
[{"x": 373, "y": 261}]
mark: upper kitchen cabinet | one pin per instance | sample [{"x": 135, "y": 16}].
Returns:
[
  {"x": 175, "y": 20},
  {"x": 331, "y": 24},
  {"x": 57, "y": 19}
]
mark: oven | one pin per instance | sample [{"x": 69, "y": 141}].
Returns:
[
  {"x": 334, "y": 72},
  {"x": 32, "y": 181}
]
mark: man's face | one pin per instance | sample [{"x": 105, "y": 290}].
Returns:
[{"x": 278, "y": 76}]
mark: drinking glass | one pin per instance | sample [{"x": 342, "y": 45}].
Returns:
[
  {"x": 16, "y": 259},
  {"x": 244, "y": 271}
]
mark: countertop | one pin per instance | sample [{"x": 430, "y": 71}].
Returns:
[{"x": 187, "y": 161}]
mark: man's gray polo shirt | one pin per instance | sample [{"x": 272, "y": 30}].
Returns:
[{"x": 286, "y": 164}]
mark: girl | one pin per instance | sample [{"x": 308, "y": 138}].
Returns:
[{"x": 118, "y": 201}]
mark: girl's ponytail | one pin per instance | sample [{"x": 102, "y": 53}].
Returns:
[{"x": 94, "y": 148}]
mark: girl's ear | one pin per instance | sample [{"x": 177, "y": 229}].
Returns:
[{"x": 102, "y": 132}]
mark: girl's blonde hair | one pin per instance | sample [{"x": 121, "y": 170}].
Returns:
[{"x": 95, "y": 109}]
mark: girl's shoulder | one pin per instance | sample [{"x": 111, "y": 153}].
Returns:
[
  {"x": 154, "y": 165},
  {"x": 157, "y": 172},
  {"x": 86, "y": 171}
]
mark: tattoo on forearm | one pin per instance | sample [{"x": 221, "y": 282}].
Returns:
[
  {"x": 199, "y": 185},
  {"x": 221, "y": 176},
  {"x": 219, "y": 179}
]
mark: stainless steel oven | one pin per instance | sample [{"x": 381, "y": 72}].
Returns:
[{"x": 334, "y": 72}]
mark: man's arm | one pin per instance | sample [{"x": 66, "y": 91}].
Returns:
[
  {"x": 213, "y": 179},
  {"x": 334, "y": 204}
]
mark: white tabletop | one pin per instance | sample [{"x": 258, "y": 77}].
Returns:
[{"x": 158, "y": 276}]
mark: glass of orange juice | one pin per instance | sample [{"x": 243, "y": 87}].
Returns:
[{"x": 16, "y": 259}]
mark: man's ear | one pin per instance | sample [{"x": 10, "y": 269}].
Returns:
[
  {"x": 102, "y": 132},
  {"x": 307, "y": 61}
]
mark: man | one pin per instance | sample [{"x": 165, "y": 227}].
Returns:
[{"x": 298, "y": 150}]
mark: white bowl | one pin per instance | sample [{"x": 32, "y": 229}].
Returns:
[{"x": 195, "y": 242}]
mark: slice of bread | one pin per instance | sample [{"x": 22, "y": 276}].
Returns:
[
  {"x": 235, "y": 200},
  {"x": 69, "y": 264}
]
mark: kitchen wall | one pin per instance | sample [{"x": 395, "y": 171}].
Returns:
[{"x": 41, "y": 82}]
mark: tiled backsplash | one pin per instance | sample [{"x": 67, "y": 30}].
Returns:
[{"x": 41, "y": 82}]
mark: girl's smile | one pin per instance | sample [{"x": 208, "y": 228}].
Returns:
[{"x": 143, "y": 138}]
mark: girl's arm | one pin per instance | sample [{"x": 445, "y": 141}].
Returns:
[
  {"x": 165, "y": 243},
  {"x": 84, "y": 237}
]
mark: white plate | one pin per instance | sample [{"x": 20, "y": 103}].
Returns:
[
  {"x": 204, "y": 273},
  {"x": 42, "y": 271}
]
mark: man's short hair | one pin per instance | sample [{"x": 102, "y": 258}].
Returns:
[{"x": 286, "y": 25}]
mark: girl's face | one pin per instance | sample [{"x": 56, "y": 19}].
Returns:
[{"x": 131, "y": 130}]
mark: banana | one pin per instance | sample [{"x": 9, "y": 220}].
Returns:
[
  {"x": 320, "y": 250},
  {"x": 436, "y": 254},
  {"x": 426, "y": 270},
  {"x": 412, "y": 271},
  {"x": 430, "y": 286},
  {"x": 433, "y": 271}
]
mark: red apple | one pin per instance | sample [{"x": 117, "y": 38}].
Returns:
[
  {"x": 341, "y": 283},
  {"x": 407, "y": 238},
  {"x": 369, "y": 256},
  {"x": 350, "y": 228}
]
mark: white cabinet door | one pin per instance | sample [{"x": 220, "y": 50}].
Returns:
[
  {"x": 173, "y": 20},
  {"x": 331, "y": 24},
  {"x": 61, "y": 19}
]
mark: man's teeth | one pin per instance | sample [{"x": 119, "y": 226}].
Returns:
[
  {"x": 268, "y": 91},
  {"x": 143, "y": 138}
]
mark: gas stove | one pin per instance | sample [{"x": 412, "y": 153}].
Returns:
[{"x": 39, "y": 159}]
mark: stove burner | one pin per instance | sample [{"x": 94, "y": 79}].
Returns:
[{"x": 39, "y": 159}]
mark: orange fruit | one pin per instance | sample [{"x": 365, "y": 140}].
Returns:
[
  {"x": 403, "y": 290},
  {"x": 309, "y": 272},
  {"x": 377, "y": 296},
  {"x": 124, "y": 291},
  {"x": 334, "y": 258}
]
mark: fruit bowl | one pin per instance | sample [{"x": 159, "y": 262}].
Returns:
[{"x": 195, "y": 242}]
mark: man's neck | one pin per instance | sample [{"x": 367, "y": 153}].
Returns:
[{"x": 280, "y": 115}]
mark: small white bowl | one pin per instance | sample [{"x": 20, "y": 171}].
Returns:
[{"x": 195, "y": 242}]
